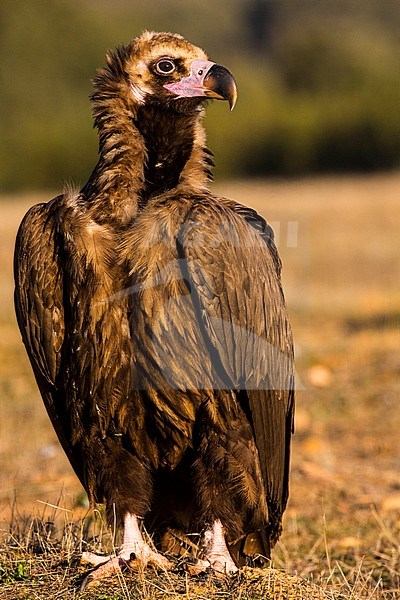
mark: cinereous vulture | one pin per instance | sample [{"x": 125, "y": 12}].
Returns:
[{"x": 153, "y": 315}]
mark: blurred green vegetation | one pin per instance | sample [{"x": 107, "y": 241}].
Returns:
[{"x": 319, "y": 82}]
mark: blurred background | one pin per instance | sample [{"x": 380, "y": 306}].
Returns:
[
  {"x": 314, "y": 145},
  {"x": 319, "y": 82}
]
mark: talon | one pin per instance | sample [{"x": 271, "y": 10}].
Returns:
[
  {"x": 200, "y": 566},
  {"x": 104, "y": 569},
  {"x": 224, "y": 566}
]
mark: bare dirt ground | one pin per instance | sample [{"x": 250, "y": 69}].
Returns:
[{"x": 340, "y": 244}]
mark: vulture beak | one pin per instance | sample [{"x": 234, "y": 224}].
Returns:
[
  {"x": 206, "y": 79},
  {"x": 219, "y": 83}
]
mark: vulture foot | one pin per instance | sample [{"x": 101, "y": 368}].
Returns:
[
  {"x": 110, "y": 565},
  {"x": 134, "y": 552},
  {"x": 217, "y": 556},
  {"x": 219, "y": 565}
]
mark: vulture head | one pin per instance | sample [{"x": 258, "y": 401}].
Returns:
[
  {"x": 164, "y": 69},
  {"x": 147, "y": 105}
]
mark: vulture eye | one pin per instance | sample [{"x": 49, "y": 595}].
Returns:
[{"x": 165, "y": 66}]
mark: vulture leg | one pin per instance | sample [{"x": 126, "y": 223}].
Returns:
[
  {"x": 228, "y": 478},
  {"x": 217, "y": 555},
  {"x": 134, "y": 548}
]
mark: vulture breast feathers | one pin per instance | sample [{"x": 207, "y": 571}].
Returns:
[{"x": 153, "y": 315}]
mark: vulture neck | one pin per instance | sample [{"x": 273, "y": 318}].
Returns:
[{"x": 144, "y": 151}]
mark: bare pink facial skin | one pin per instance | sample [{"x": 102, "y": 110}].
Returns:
[{"x": 192, "y": 86}]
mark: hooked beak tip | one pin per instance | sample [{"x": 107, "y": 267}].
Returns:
[{"x": 220, "y": 84}]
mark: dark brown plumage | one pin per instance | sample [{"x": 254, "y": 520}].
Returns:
[{"x": 153, "y": 316}]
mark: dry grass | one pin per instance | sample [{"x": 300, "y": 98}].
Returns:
[
  {"x": 342, "y": 529},
  {"x": 40, "y": 562}
]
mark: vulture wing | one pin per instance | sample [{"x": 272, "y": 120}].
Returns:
[
  {"x": 230, "y": 263},
  {"x": 39, "y": 308}
]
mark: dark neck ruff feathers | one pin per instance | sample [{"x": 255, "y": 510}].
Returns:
[{"x": 144, "y": 150}]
